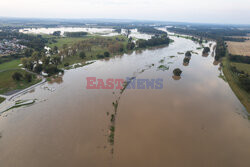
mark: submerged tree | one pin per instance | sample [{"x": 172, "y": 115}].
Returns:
[
  {"x": 177, "y": 72},
  {"x": 188, "y": 54},
  {"x": 206, "y": 50}
]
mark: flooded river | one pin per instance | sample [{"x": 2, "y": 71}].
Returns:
[{"x": 194, "y": 121}]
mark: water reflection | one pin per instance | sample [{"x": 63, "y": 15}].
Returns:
[
  {"x": 186, "y": 61},
  {"x": 176, "y": 78},
  {"x": 57, "y": 80},
  {"x": 205, "y": 55},
  {"x": 216, "y": 62}
]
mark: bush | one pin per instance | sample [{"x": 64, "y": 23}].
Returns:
[
  {"x": 106, "y": 54},
  {"x": 100, "y": 56},
  {"x": 131, "y": 45},
  {"x": 82, "y": 54},
  {"x": 56, "y": 33},
  {"x": 38, "y": 68},
  {"x": 17, "y": 76},
  {"x": 28, "y": 77},
  {"x": 66, "y": 64},
  {"x": 244, "y": 82},
  {"x": 51, "y": 69}
]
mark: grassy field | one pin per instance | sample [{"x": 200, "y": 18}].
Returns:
[
  {"x": 65, "y": 40},
  {"x": 8, "y": 84},
  {"x": 242, "y": 67},
  {"x": 10, "y": 65},
  {"x": 1, "y": 99},
  {"x": 239, "y": 48},
  {"x": 95, "y": 49},
  {"x": 72, "y": 40},
  {"x": 232, "y": 79}
]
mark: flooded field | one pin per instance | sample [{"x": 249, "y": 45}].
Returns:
[
  {"x": 98, "y": 31},
  {"x": 194, "y": 120},
  {"x": 67, "y": 29}
]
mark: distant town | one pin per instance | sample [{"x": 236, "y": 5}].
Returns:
[{"x": 8, "y": 47}]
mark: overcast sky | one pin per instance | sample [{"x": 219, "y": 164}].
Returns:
[{"x": 206, "y": 11}]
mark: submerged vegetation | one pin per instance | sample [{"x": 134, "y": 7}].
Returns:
[
  {"x": 163, "y": 68},
  {"x": 20, "y": 103},
  {"x": 1, "y": 99},
  {"x": 206, "y": 50}
]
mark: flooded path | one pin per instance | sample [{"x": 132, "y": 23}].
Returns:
[{"x": 195, "y": 120}]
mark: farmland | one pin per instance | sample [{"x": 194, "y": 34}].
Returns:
[{"x": 239, "y": 48}]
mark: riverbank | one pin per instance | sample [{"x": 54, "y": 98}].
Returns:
[
  {"x": 9, "y": 86},
  {"x": 232, "y": 80}
]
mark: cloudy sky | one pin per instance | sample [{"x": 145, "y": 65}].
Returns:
[{"x": 209, "y": 11}]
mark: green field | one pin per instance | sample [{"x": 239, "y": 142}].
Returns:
[
  {"x": 242, "y": 67},
  {"x": 8, "y": 84},
  {"x": 232, "y": 79},
  {"x": 90, "y": 55},
  {"x": 65, "y": 40},
  {"x": 72, "y": 40},
  {"x": 10, "y": 65}
]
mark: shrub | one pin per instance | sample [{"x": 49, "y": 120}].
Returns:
[
  {"x": 66, "y": 64},
  {"x": 82, "y": 54},
  {"x": 38, "y": 68},
  {"x": 131, "y": 45},
  {"x": 244, "y": 82},
  {"x": 51, "y": 69},
  {"x": 28, "y": 77},
  {"x": 17, "y": 76},
  {"x": 100, "y": 56},
  {"x": 106, "y": 54}
]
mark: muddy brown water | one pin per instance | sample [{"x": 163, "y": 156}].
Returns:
[{"x": 194, "y": 121}]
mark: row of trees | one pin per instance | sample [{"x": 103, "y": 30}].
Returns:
[
  {"x": 239, "y": 59},
  {"x": 75, "y": 34},
  {"x": 243, "y": 77},
  {"x": 220, "y": 49},
  {"x": 151, "y": 30}
]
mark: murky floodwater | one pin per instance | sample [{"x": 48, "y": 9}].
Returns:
[
  {"x": 194, "y": 121},
  {"x": 91, "y": 30}
]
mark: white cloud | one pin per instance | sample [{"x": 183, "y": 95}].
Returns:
[{"x": 217, "y": 11}]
